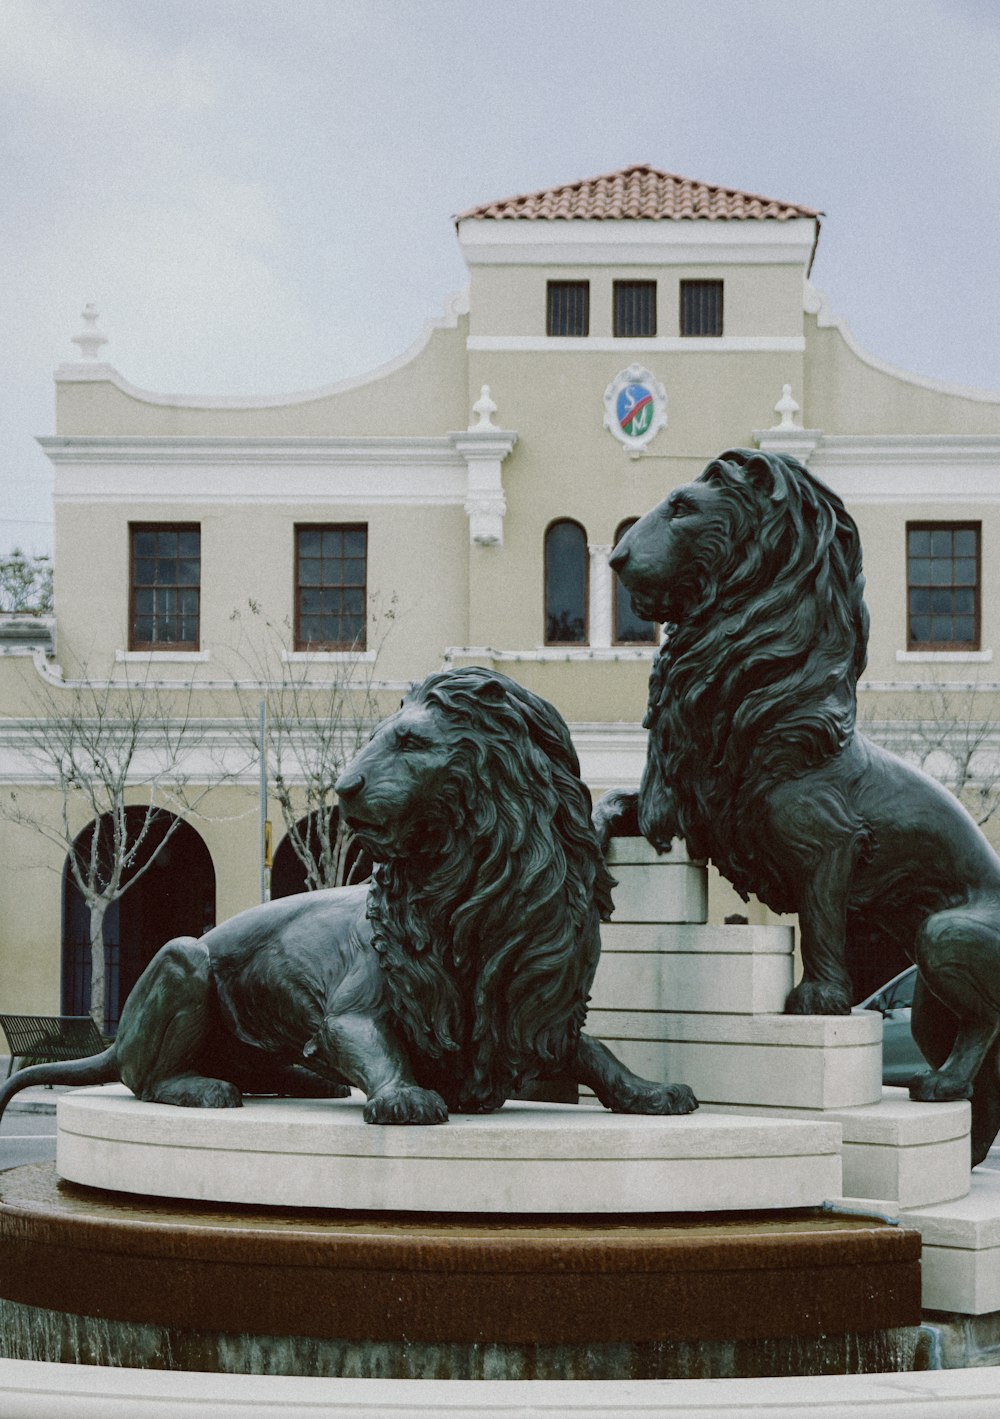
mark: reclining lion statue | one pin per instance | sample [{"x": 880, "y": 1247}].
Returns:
[
  {"x": 458, "y": 976},
  {"x": 754, "y": 760}
]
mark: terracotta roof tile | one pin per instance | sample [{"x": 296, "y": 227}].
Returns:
[{"x": 640, "y": 192}]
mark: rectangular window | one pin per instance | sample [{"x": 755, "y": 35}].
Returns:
[
  {"x": 942, "y": 585},
  {"x": 635, "y": 308},
  {"x": 331, "y": 576},
  {"x": 567, "y": 308},
  {"x": 165, "y": 586},
  {"x": 701, "y": 307}
]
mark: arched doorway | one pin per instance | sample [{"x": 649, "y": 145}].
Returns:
[
  {"x": 175, "y": 896},
  {"x": 288, "y": 871}
]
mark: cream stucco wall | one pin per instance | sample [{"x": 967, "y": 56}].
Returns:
[
  {"x": 380, "y": 454},
  {"x": 759, "y": 300}
]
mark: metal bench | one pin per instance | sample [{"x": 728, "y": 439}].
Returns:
[{"x": 45, "y": 1039}]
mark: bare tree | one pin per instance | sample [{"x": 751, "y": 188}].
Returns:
[
  {"x": 951, "y": 731},
  {"x": 130, "y": 760},
  {"x": 316, "y": 722},
  {"x": 25, "y": 583}
]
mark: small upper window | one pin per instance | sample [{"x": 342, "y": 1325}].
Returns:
[
  {"x": 566, "y": 584},
  {"x": 629, "y": 629},
  {"x": 635, "y": 308},
  {"x": 701, "y": 307},
  {"x": 165, "y": 586},
  {"x": 567, "y": 309},
  {"x": 942, "y": 585},
  {"x": 331, "y": 572}
]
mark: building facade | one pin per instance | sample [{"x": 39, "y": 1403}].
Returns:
[{"x": 615, "y": 335}]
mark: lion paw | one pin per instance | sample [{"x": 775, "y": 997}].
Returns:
[
  {"x": 812, "y": 997},
  {"x": 939, "y": 1087},
  {"x": 406, "y": 1103},
  {"x": 660, "y": 1099},
  {"x": 193, "y": 1092}
]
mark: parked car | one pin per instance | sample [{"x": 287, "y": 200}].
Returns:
[{"x": 901, "y": 1059}]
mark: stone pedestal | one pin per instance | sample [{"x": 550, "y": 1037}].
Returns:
[{"x": 681, "y": 1000}]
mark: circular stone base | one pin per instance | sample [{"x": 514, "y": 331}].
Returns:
[
  {"x": 536, "y": 1158},
  {"x": 104, "y": 1279}
]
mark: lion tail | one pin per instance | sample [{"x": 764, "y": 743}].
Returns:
[
  {"x": 986, "y": 1105},
  {"x": 96, "y": 1069}
]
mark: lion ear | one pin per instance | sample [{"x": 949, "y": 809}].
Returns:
[
  {"x": 766, "y": 473},
  {"x": 493, "y": 691}
]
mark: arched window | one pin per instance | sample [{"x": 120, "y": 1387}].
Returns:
[
  {"x": 566, "y": 584},
  {"x": 348, "y": 863},
  {"x": 629, "y": 630},
  {"x": 174, "y": 896}
]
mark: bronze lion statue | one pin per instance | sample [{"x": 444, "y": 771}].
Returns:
[
  {"x": 459, "y": 975},
  {"x": 755, "y": 761}
]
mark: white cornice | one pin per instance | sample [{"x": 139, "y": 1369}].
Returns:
[
  {"x": 553, "y": 655},
  {"x": 942, "y": 469},
  {"x": 329, "y": 451},
  {"x": 967, "y": 450},
  {"x": 461, "y": 467},
  {"x": 816, "y": 303},
  {"x": 636, "y": 242},
  {"x": 659, "y": 344},
  {"x": 89, "y": 371}
]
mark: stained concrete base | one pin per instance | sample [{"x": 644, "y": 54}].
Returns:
[{"x": 540, "y": 1158}]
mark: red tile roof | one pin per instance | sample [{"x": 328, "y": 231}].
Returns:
[{"x": 640, "y": 192}]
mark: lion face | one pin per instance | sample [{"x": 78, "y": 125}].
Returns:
[
  {"x": 388, "y": 793},
  {"x": 666, "y": 556}
]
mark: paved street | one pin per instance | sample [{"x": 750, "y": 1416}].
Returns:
[{"x": 26, "y": 1138}]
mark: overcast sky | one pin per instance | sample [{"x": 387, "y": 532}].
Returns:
[{"x": 257, "y": 195}]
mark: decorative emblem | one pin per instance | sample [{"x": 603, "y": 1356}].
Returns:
[{"x": 635, "y": 407}]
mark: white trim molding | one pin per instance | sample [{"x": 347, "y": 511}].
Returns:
[
  {"x": 90, "y": 371},
  {"x": 944, "y": 657},
  {"x": 329, "y": 657},
  {"x": 942, "y": 469},
  {"x": 549, "y": 654}
]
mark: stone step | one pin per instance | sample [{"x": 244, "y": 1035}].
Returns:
[
  {"x": 897, "y": 1150},
  {"x": 745, "y": 970},
  {"x": 794, "y": 1061},
  {"x": 961, "y": 1248}
]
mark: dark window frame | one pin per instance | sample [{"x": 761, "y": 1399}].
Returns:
[
  {"x": 583, "y": 290},
  {"x": 134, "y": 643},
  {"x": 619, "y": 592},
  {"x": 912, "y": 644},
  {"x": 585, "y": 640},
  {"x": 360, "y": 643},
  {"x": 685, "y": 287},
  {"x": 617, "y": 314}
]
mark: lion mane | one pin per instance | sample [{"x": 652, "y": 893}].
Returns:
[
  {"x": 756, "y": 683},
  {"x": 490, "y": 942}
]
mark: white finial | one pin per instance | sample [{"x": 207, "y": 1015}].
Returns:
[
  {"x": 90, "y": 338},
  {"x": 787, "y": 408},
  {"x": 485, "y": 408}
]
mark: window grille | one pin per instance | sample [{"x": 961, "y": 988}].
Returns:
[
  {"x": 942, "y": 585},
  {"x": 165, "y": 586},
  {"x": 635, "y": 308},
  {"x": 331, "y": 574},
  {"x": 567, "y": 310},
  {"x": 701, "y": 307}
]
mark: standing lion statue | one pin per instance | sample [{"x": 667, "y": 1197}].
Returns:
[
  {"x": 754, "y": 760},
  {"x": 458, "y": 976}
]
